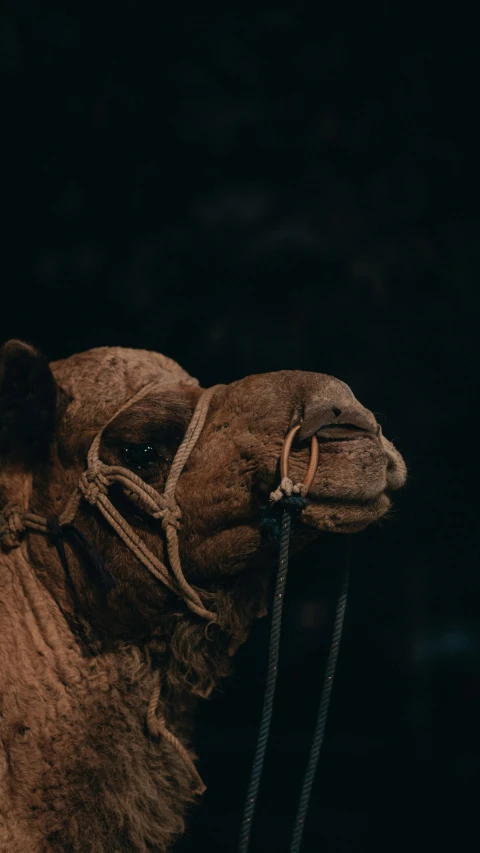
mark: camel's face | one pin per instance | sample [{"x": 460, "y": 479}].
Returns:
[{"x": 234, "y": 465}]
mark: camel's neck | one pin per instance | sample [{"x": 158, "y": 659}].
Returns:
[
  {"x": 38, "y": 641},
  {"x": 34, "y": 620},
  {"x": 77, "y": 759}
]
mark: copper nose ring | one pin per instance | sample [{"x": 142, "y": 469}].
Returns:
[{"x": 312, "y": 465}]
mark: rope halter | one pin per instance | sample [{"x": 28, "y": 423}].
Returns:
[{"x": 93, "y": 487}]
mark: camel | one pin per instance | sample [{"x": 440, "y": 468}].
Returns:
[{"x": 122, "y": 603}]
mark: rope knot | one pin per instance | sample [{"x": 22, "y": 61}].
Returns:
[
  {"x": 12, "y": 526},
  {"x": 286, "y": 489},
  {"x": 94, "y": 482},
  {"x": 170, "y": 514}
]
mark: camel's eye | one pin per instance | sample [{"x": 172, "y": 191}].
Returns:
[{"x": 140, "y": 456}]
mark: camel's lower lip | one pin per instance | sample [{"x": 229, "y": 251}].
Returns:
[
  {"x": 358, "y": 503},
  {"x": 343, "y": 514},
  {"x": 322, "y": 438}
]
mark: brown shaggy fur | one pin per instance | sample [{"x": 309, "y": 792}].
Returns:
[{"x": 78, "y": 771}]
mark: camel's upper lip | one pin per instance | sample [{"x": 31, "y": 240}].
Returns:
[{"x": 343, "y": 432}]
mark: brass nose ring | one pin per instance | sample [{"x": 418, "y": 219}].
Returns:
[{"x": 312, "y": 465}]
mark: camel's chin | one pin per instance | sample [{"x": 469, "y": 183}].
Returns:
[{"x": 345, "y": 516}]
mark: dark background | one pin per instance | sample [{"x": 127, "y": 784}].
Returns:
[{"x": 267, "y": 186}]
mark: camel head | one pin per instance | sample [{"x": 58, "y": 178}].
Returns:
[{"x": 49, "y": 415}]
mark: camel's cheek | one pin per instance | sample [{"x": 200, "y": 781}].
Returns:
[
  {"x": 218, "y": 488},
  {"x": 225, "y": 552}
]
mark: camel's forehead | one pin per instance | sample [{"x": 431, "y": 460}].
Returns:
[{"x": 100, "y": 380}]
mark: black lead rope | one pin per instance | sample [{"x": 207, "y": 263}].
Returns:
[
  {"x": 321, "y": 716},
  {"x": 279, "y": 595},
  {"x": 92, "y": 559},
  {"x": 264, "y": 730}
]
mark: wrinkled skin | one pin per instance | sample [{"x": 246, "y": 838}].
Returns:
[{"x": 48, "y": 418}]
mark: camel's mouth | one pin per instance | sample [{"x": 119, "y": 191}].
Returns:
[
  {"x": 334, "y": 434},
  {"x": 343, "y": 432},
  {"x": 357, "y": 472}
]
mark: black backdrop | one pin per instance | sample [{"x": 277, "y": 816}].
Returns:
[{"x": 265, "y": 186}]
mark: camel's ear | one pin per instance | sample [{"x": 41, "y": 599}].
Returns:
[{"x": 27, "y": 401}]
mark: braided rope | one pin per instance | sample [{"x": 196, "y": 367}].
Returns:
[
  {"x": 191, "y": 437},
  {"x": 133, "y": 541}
]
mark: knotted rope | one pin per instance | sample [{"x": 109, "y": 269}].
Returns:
[
  {"x": 11, "y": 525},
  {"x": 93, "y": 487},
  {"x": 286, "y": 489}
]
